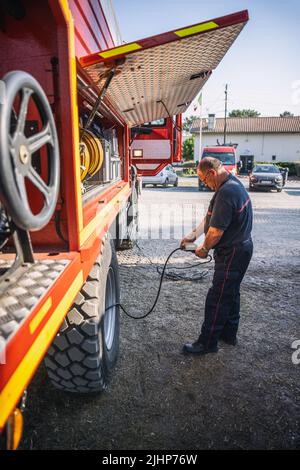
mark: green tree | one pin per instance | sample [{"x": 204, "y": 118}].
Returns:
[
  {"x": 188, "y": 149},
  {"x": 244, "y": 113},
  {"x": 188, "y": 122},
  {"x": 286, "y": 114}
]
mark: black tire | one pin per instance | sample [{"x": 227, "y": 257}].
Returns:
[
  {"x": 279, "y": 190},
  {"x": 85, "y": 350},
  {"x": 165, "y": 185},
  {"x": 176, "y": 183},
  {"x": 143, "y": 185}
]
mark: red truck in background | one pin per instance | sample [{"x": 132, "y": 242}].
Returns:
[
  {"x": 69, "y": 97},
  {"x": 154, "y": 142},
  {"x": 226, "y": 154}
]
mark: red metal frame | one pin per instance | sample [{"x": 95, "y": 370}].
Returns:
[{"x": 155, "y": 171}]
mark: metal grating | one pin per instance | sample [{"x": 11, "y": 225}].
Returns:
[
  {"x": 162, "y": 73},
  {"x": 21, "y": 296}
]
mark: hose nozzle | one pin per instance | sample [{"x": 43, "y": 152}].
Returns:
[{"x": 190, "y": 247}]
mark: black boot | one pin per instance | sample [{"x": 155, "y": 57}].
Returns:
[
  {"x": 230, "y": 341},
  {"x": 198, "y": 348}
]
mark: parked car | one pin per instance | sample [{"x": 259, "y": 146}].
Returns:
[
  {"x": 284, "y": 172},
  {"x": 265, "y": 177},
  {"x": 165, "y": 177}
]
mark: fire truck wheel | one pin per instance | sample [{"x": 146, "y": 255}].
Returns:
[
  {"x": 17, "y": 150},
  {"x": 85, "y": 350}
]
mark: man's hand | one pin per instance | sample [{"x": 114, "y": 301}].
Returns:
[
  {"x": 192, "y": 236},
  {"x": 186, "y": 240},
  {"x": 200, "y": 252}
]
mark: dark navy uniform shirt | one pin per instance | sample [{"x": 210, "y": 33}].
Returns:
[{"x": 230, "y": 210}]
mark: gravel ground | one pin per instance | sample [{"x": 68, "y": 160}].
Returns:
[{"x": 243, "y": 397}]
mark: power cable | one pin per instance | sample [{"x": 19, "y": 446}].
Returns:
[{"x": 162, "y": 275}]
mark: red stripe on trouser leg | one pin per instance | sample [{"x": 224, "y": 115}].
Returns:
[{"x": 220, "y": 298}]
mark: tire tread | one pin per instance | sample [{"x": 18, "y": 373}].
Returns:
[{"x": 72, "y": 361}]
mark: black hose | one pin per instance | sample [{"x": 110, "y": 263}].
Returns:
[
  {"x": 162, "y": 274},
  {"x": 176, "y": 274}
]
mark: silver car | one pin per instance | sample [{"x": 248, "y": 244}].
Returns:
[
  {"x": 165, "y": 177},
  {"x": 265, "y": 177}
]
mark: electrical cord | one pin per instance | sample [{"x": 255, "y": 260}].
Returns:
[
  {"x": 162, "y": 275},
  {"x": 173, "y": 274}
]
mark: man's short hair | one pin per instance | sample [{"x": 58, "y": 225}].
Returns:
[{"x": 209, "y": 163}]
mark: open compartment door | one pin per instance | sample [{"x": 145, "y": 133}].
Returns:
[{"x": 158, "y": 77}]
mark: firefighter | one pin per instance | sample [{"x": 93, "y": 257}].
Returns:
[{"x": 227, "y": 227}]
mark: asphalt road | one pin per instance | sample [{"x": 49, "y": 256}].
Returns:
[{"x": 243, "y": 397}]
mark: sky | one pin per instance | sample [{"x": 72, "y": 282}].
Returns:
[{"x": 262, "y": 68}]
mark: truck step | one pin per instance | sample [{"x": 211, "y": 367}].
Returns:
[{"x": 24, "y": 291}]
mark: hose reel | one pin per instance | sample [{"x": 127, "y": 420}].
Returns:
[
  {"x": 16, "y": 150},
  {"x": 91, "y": 155}
]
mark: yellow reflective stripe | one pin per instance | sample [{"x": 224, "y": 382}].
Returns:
[
  {"x": 18, "y": 381},
  {"x": 198, "y": 28},
  {"x": 40, "y": 315},
  {"x": 75, "y": 120},
  {"x": 120, "y": 50}
]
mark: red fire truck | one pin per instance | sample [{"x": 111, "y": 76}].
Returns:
[
  {"x": 226, "y": 154},
  {"x": 73, "y": 103}
]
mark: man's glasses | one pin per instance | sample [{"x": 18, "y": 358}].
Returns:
[{"x": 204, "y": 180}]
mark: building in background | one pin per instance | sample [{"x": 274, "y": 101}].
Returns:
[{"x": 268, "y": 139}]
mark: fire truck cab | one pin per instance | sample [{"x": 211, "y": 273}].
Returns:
[{"x": 227, "y": 156}]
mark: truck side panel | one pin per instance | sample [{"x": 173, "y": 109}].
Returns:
[{"x": 91, "y": 30}]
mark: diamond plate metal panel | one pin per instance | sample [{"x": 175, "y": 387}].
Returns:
[
  {"x": 162, "y": 74},
  {"x": 21, "y": 296},
  {"x": 159, "y": 149}
]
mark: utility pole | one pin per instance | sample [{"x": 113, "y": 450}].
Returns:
[
  {"x": 200, "y": 126},
  {"x": 225, "y": 120}
]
